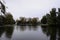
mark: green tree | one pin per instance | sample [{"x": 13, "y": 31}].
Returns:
[
  {"x": 44, "y": 20},
  {"x": 34, "y": 21},
  {"x": 21, "y": 21},
  {"x": 48, "y": 18},
  {"x": 2, "y": 19},
  {"x": 58, "y": 17},
  {"x": 53, "y": 16},
  {"x": 29, "y": 21},
  {"x": 9, "y": 19}
]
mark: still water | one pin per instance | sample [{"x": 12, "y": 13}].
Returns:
[{"x": 26, "y": 33}]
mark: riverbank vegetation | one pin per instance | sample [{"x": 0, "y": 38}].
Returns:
[
  {"x": 52, "y": 30},
  {"x": 7, "y": 19},
  {"x": 28, "y": 21},
  {"x": 51, "y": 18}
]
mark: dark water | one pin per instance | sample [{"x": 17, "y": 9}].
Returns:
[{"x": 29, "y": 33}]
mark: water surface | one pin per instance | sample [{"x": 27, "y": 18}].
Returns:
[{"x": 22, "y": 33}]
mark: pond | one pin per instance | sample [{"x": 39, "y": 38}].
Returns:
[{"x": 26, "y": 33}]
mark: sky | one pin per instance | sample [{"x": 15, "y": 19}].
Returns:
[{"x": 30, "y": 8}]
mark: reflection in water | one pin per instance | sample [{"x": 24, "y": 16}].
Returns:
[
  {"x": 30, "y": 33},
  {"x": 53, "y": 31},
  {"x": 58, "y": 32},
  {"x": 29, "y": 27},
  {"x": 1, "y": 31},
  {"x": 23, "y": 28},
  {"x": 34, "y": 28},
  {"x": 8, "y": 30},
  {"x": 22, "y": 32}
]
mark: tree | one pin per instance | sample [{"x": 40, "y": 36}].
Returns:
[
  {"x": 34, "y": 21},
  {"x": 2, "y": 19},
  {"x": 21, "y": 21},
  {"x": 9, "y": 19},
  {"x": 58, "y": 17},
  {"x": 29, "y": 22},
  {"x": 53, "y": 15},
  {"x": 44, "y": 20}
]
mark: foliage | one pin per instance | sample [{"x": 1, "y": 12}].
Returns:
[
  {"x": 6, "y": 19},
  {"x": 9, "y": 19},
  {"x": 44, "y": 20},
  {"x": 58, "y": 17},
  {"x": 52, "y": 18},
  {"x": 27, "y": 21},
  {"x": 1, "y": 19},
  {"x": 34, "y": 21}
]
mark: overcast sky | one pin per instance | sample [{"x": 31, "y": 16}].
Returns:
[{"x": 31, "y": 8}]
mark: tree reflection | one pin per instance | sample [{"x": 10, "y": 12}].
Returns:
[
  {"x": 23, "y": 28},
  {"x": 30, "y": 27},
  {"x": 44, "y": 29},
  {"x": 58, "y": 32},
  {"x": 1, "y": 31},
  {"x": 34, "y": 27},
  {"x": 9, "y": 31},
  {"x": 52, "y": 30}
]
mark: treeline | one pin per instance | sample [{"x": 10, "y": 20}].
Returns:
[
  {"x": 51, "y": 18},
  {"x": 6, "y": 19},
  {"x": 28, "y": 21}
]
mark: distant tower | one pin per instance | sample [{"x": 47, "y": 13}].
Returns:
[{"x": 2, "y": 8}]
